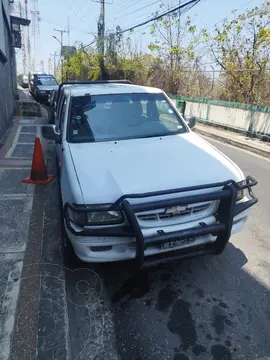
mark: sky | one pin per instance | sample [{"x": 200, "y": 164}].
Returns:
[{"x": 83, "y": 16}]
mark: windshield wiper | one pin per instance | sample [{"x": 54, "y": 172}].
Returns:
[{"x": 157, "y": 135}]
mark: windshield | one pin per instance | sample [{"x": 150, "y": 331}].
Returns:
[
  {"x": 122, "y": 116},
  {"x": 46, "y": 80}
]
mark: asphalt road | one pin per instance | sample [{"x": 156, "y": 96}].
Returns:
[{"x": 210, "y": 308}]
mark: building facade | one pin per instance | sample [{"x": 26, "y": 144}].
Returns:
[{"x": 8, "y": 87}]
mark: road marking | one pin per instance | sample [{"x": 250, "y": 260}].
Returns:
[
  {"x": 14, "y": 143},
  {"x": 237, "y": 148}
]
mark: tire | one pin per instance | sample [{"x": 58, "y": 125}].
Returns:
[{"x": 68, "y": 251}]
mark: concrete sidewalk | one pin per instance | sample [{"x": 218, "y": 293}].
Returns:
[
  {"x": 16, "y": 202},
  {"x": 233, "y": 138}
]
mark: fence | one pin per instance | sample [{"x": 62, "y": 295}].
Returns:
[{"x": 253, "y": 120}]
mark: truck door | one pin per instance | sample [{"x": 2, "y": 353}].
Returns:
[{"x": 60, "y": 128}]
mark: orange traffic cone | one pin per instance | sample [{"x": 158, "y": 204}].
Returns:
[{"x": 39, "y": 173}]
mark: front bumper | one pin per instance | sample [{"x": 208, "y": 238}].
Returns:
[
  {"x": 44, "y": 96},
  {"x": 212, "y": 233}
]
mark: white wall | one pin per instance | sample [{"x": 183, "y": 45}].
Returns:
[
  {"x": 197, "y": 109},
  {"x": 174, "y": 102},
  {"x": 261, "y": 122},
  {"x": 230, "y": 116},
  {"x": 236, "y": 118}
]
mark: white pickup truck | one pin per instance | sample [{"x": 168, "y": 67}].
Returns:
[{"x": 136, "y": 182}]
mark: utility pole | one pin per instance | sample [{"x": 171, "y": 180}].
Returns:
[
  {"x": 61, "y": 52},
  {"x": 54, "y": 62},
  {"x": 23, "y": 39},
  {"x": 101, "y": 38},
  {"x": 28, "y": 38},
  {"x": 68, "y": 31},
  {"x": 50, "y": 65},
  {"x": 42, "y": 66}
]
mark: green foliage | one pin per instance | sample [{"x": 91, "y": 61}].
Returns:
[{"x": 238, "y": 46}]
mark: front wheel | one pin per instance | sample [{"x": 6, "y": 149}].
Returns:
[{"x": 67, "y": 246}]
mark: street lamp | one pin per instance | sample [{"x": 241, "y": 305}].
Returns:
[
  {"x": 57, "y": 39},
  {"x": 62, "y": 70}
]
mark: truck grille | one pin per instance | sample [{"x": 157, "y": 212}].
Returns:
[{"x": 189, "y": 213}]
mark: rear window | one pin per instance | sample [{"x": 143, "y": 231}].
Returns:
[
  {"x": 46, "y": 80},
  {"x": 122, "y": 116}
]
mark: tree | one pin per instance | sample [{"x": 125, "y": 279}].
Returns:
[
  {"x": 240, "y": 47},
  {"x": 174, "y": 47},
  {"x": 82, "y": 65}
]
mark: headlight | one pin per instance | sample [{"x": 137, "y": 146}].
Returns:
[
  {"x": 42, "y": 92},
  {"x": 240, "y": 193},
  {"x": 95, "y": 218},
  {"x": 104, "y": 217}
]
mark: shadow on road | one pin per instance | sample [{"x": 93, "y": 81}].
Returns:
[{"x": 207, "y": 308}]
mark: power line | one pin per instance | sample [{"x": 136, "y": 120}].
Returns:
[
  {"x": 250, "y": 1},
  {"x": 72, "y": 27},
  {"x": 132, "y": 12},
  {"x": 224, "y": 18},
  {"x": 71, "y": 4},
  {"x": 169, "y": 8},
  {"x": 78, "y": 10},
  {"x": 191, "y": 2},
  {"x": 231, "y": 13},
  {"x": 121, "y": 7},
  {"x": 85, "y": 46},
  {"x": 88, "y": 12}
]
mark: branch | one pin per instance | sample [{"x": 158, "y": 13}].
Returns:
[
  {"x": 228, "y": 71},
  {"x": 164, "y": 37}
]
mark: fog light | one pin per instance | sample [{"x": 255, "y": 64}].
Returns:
[{"x": 100, "y": 248}]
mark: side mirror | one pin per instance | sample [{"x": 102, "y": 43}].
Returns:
[
  {"x": 190, "y": 120},
  {"x": 49, "y": 132}
]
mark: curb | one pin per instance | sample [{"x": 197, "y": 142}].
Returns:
[{"x": 234, "y": 143}]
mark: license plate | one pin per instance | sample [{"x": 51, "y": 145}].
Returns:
[{"x": 176, "y": 242}]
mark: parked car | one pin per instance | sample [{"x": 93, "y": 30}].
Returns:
[
  {"x": 32, "y": 80},
  {"x": 24, "y": 81},
  {"x": 136, "y": 182},
  {"x": 42, "y": 86}
]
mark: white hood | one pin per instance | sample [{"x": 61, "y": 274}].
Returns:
[{"x": 109, "y": 170}]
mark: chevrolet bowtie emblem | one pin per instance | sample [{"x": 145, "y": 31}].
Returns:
[{"x": 176, "y": 210}]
